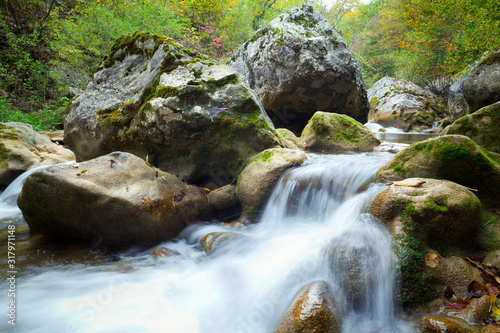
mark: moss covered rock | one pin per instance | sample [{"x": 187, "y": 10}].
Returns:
[
  {"x": 116, "y": 198},
  {"x": 337, "y": 132},
  {"x": 21, "y": 149},
  {"x": 403, "y": 104},
  {"x": 290, "y": 140},
  {"x": 188, "y": 114},
  {"x": 482, "y": 126},
  {"x": 482, "y": 85},
  {"x": 438, "y": 214},
  {"x": 312, "y": 310},
  {"x": 452, "y": 157},
  {"x": 299, "y": 64},
  {"x": 261, "y": 173}
]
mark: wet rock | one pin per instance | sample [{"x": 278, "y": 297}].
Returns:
[
  {"x": 477, "y": 310},
  {"x": 188, "y": 114},
  {"x": 453, "y": 271},
  {"x": 482, "y": 85},
  {"x": 402, "y": 104},
  {"x": 116, "y": 198},
  {"x": 435, "y": 324},
  {"x": 390, "y": 147},
  {"x": 216, "y": 241},
  {"x": 452, "y": 157},
  {"x": 490, "y": 329},
  {"x": 235, "y": 225},
  {"x": 261, "y": 173},
  {"x": 336, "y": 132},
  {"x": 290, "y": 140},
  {"x": 299, "y": 64},
  {"x": 482, "y": 126},
  {"x": 312, "y": 310},
  {"x": 164, "y": 252},
  {"x": 21, "y": 149},
  {"x": 224, "y": 200}
]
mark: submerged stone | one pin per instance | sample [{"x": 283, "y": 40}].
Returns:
[{"x": 312, "y": 310}]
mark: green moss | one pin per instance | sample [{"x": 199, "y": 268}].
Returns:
[
  {"x": 8, "y": 133},
  {"x": 399, "y": 170},
  {"x": 265, "y": 156},
  {"x": 452, "y": 152},
  {"x": 374, "y": 102},
  {"x": 492, "y": 58},
  {"x": 416, "y": 285},
  {"x": 431, "y": 204},
  {"x": 466, "y": 127},
  {"x": 120, "y": 117},
  {"x": 4, "y": 155}
]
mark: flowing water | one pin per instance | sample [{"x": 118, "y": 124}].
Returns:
[{"x": 314, "y": 227}]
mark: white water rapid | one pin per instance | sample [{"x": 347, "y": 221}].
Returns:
[{"x": 314, "y": 227}]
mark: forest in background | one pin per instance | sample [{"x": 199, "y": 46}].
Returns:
[{"x": 49, "y": 49}]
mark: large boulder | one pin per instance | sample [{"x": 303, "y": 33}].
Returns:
[
  {"x": 482, "y": 85},
  {"x": 438, "y": 324},
  {"x": 436, "y": 207},
  {"x": 259, "y": 176},
  {"x": 312, "y": 310},
  {"x": 482, "y": 126},
  {"x": 337, "y": 132},
  {"x": 452, "y": 157},
  {"x": 299, "y": 64},
  {"x": 402, "y": 104},
  {"x": 183, "y": 111},
  {"x": 457, "y": 105},
  {"x": 423, "y": 213},
  {"x": 21, "y": 149},
  {"x": 116, "y": 198}
]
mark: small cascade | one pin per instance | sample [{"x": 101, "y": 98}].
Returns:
[{"x": 314, "y": 227}]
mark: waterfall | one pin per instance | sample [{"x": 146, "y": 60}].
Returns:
[{"x": 313, "y": 227}]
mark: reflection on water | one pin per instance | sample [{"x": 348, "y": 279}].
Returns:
[{"x": 402, "y": 137}]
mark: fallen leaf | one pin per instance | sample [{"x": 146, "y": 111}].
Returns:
[
  {"x": 410, "y": 183},
  {"x": 113, "y": 163},
  {"x": 127, "y": 188},
  {"x": 222, "y": 107},
  {"x": 491, "y": 289},
  {"x": 476, "y": 290},
  {"x": 449, "y": 305},
  {"x": 36, "y": 152},
  {"x": 494, "y": 305},
  {"x": 490, "y": 278},
  {"x": 431, "y": 259},
  {"x": 75, "y": 165},
  {"x": 448, "y": 291}
]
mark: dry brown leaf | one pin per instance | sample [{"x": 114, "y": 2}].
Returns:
[
  {"x": 410, "y": 183},
  {"x": 431, "y": 259}
]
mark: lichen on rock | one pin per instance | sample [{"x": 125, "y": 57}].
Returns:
[{"x": 188, "y": 114}]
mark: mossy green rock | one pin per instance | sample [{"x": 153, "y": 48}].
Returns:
[
  {"x": 452, "y": 157},
  {"x": 260, "y": 175},
  {"x": 337, "y": 132},
  {"x": 482, "y": 126},
  {"x": 290, "y": 140},
  {"x": 21, "y": 148},
  {"x": 116, "y": 199},
  {"x": 312, "y": 310},
  {"x": 183, "y": 111},
  {"x": 438, "y": 214}
]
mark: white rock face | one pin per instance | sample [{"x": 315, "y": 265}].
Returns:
[
  {"x": 404, "y": 105},
  {"x": 298, "y": 65}
]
